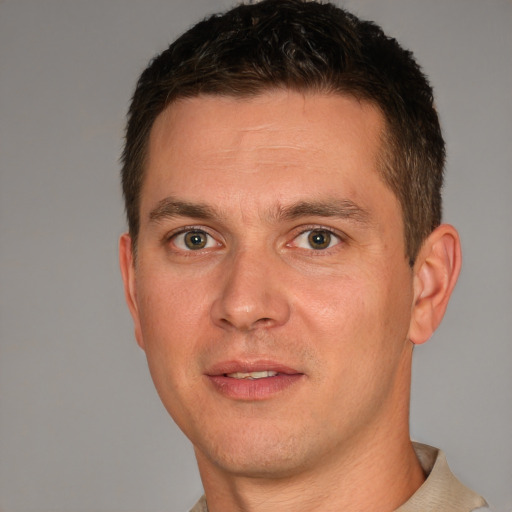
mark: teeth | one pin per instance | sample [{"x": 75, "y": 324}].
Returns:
[{"x": 252, "y": 375}]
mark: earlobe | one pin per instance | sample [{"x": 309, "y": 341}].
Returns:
[
  {"x": 126, "y": 263},
  {"x": 436, "y": 271}
]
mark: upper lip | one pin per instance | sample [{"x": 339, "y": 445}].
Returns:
[{"x": 248, "y": 366}]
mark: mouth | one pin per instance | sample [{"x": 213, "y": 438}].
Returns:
[{"x": 252, "y": 381}]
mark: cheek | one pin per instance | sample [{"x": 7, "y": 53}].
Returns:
[
  {"x": 357, "y": 314},
  {"x": 337, "y": 306},
  {"x": 170, "y": 319},
  {"x": 171, "y": 327},
  {"x": 170, "y": 306}
]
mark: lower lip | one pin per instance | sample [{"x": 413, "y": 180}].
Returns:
[{"x": 256, "y": 389}]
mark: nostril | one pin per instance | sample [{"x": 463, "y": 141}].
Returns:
[{"x": 247, "y": 325}]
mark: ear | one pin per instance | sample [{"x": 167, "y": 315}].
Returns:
[
  {"x": 127, "y": 264},
  {"x": 436, "y": 271}
]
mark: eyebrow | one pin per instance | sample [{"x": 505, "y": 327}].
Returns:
[
  {"x": 169, "y": 208},
  {"x": 339, "y": 208}
]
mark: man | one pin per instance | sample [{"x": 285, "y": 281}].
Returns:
[{"x": 282, "y": 175}]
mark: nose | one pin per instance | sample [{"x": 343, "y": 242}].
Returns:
[{"x": 252, "y": 294}]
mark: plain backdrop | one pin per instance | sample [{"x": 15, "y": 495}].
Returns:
[{"x": 81, "y": 427}]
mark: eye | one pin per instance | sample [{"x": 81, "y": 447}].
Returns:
[
  {"x": 317, "y": 239},
  {"x": 194, "y": 240}
]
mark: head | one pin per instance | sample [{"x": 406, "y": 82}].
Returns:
[
  {"x": 281, "y": 173},
  {"x": 305, "y": 47}
]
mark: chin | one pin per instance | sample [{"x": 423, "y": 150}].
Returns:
[
  {"x": 252, "y": 465},
  {"x": 267, "y": 454}
]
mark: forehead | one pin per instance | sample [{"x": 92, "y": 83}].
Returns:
[
  {"x": 279, "y": 145},
  {"x": 314, "y": 114}
]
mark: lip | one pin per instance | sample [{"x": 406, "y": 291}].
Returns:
[{"x": 252, "y": 390}]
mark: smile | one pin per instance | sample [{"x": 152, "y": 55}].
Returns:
[{"x": 252, "y": 380}]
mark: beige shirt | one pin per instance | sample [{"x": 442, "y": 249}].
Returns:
[{"x": 441, "y": 491}]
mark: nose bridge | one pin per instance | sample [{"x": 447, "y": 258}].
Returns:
[{"x": 251, "y": 294}]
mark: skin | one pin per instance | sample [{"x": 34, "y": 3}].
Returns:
[{"x": 254, "y": 178}]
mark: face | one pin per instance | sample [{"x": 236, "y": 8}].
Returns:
[{"x": 271, "y": 292}]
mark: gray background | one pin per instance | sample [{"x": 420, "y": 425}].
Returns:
[{"x": 81, "y": 428}]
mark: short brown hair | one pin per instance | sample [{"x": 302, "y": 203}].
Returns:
[{"x": 304, "y": 46}]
